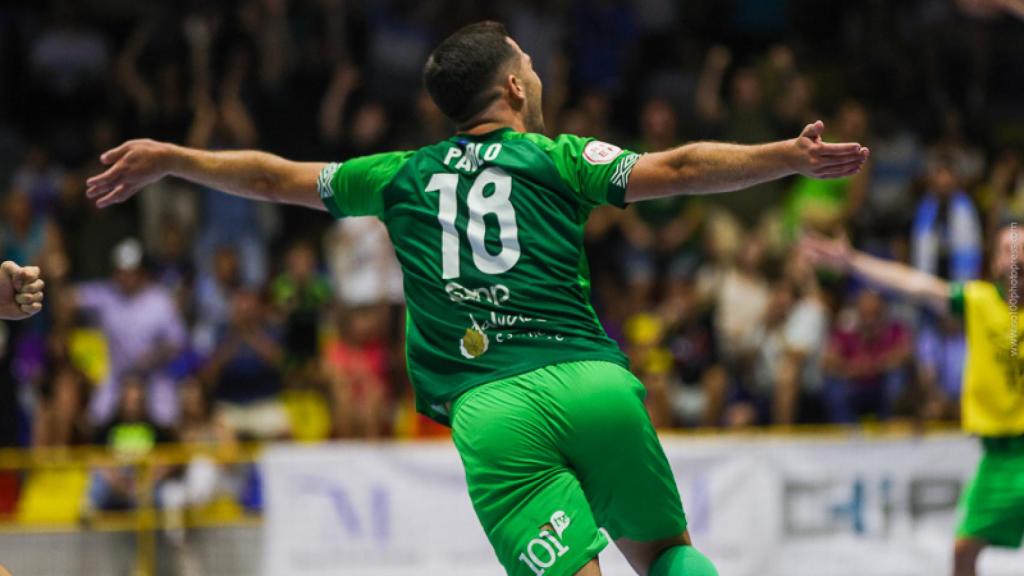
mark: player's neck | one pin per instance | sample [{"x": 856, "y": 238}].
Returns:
[{"x": 490, "y": 122}]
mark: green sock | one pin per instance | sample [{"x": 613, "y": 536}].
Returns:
[{"x": 682, "y": 561}]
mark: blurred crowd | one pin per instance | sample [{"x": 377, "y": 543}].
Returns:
[{"x": 190, "y": 315}]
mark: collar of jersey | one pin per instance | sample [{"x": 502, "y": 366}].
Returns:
[{"x": 493, "y": 134}]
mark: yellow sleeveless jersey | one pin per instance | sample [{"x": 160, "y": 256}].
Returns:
[{"x": 993, "y": 391}]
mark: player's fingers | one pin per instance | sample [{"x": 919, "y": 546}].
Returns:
[
  {"x": 813, "y": 130},
  {"x": 839, "y": 149},
  {"x": 9, "y": 268},
  {"x": 27, "y": 275},
  {"x": 22, "y": 298},
  {"x": 31, "y": 309},
  {"x": 107, "y": 177},
  {"x": 115, "y": 196},
  {"x": 833, "y": 163},
  {"x": 112, "y": 155},
  {"x": 842, "y": 171},
  {"x": 34, "y": 286}
]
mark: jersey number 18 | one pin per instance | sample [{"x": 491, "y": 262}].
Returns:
[{"x": 499, "y": 203}]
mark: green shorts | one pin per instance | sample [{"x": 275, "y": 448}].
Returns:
[
  {"x": 992, "y": 506},
  {"x": 555, "y": 454}
]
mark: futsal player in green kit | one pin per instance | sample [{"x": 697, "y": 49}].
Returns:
[{"x": 503, "y": 344}]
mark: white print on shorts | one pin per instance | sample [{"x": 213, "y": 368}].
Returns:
[
  {"x": 597, "y": 152},
  {"x": 542, "y": 552}
]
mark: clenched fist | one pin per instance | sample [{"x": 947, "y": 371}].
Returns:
[{"x": 21, "y": 291}]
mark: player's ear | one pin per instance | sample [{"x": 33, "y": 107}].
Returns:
[{"x": 516, "y": 88}]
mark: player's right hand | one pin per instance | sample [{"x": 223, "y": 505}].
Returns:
[
  {"x": 21, "y": 291},
  {"x": 815, "y": 158},
  {"x": 133, "y": 165}
]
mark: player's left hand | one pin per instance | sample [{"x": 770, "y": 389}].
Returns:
[
  {"x": 21, "y": 291},
  {"x": 822, "y": 252},
  {"x": 133, "y": 165},
  {"x": 816, "y": 158}
]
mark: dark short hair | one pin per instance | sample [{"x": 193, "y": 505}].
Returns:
[{"x": 462, "y": 69}]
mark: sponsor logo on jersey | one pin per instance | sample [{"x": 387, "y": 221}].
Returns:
[
  {"x": 496, "y": 294},
  {"x": 474, "y": 342},
  {"x": 597, "y": 152}
]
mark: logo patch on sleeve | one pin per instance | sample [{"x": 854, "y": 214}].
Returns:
[{"x": 597, "y": 152}]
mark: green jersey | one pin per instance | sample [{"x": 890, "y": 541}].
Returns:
[{"x": 488, "y": 230}]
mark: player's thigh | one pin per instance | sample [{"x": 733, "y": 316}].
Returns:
[
  {"x": 618, "y": 458},
  {"x": 529, "y": 502},
  {"x": 992, "y": 505}
]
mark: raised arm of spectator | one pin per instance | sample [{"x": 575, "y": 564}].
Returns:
[
  {"x": 128, "y": 76},
  {"x": 888, "y": 275},
  {"x": 712, "y": 167},
  {"x": 708, "y": 100},
  {"x": 246, "y": 173}
]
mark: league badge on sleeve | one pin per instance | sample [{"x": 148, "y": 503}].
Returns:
[{"x": 597, "y": 152}]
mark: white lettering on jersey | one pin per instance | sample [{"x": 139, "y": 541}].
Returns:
[{"x": 453, "y": 153}]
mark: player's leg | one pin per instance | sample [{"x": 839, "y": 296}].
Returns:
[
  {"x": 965, "y": 556},
  {"x": 992, "y": 506},
  {"x": 528, "y": 499},
  {"x": 610, "y": 442}
]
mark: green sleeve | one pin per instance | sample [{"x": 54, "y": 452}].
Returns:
[
  {"x": 356, "y": 187},
  {"x": 598, "y": 171},
  {"x": 956, "y": 299}
]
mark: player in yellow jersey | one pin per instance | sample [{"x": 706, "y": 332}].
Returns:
[{"x": 992, "y": 506}]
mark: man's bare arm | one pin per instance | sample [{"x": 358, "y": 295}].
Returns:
[
  {"x": 712, "y": 167},
  {"x": 921, "y": 286},
  {"x": 249, "y": 174}
]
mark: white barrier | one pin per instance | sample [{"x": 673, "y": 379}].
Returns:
[{"x": 768, "y": 507}]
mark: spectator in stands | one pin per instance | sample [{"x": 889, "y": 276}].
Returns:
[
  {"x": 298, "y": 294},
  {"x": 784, "y": 353},
  {"x": 741, "y": 294},
  {"x": 212, "y": 294},
  {"x": 865, "y": 361},
  {"x": 946, "y": 240},
  {"x": 24, "y": 237},
  {"x": 144, "y": 332},
  {"x": 61, "y": 414},
  {"x": 201, "y": 480},
  {"x": 244, "y": 371},
  {"x": 698, "y": 394},
  {"x": 357, "y": 370},
  {"x": 131, "y": 433},
  {"x": 897, "y": 161},
  {"x": 652, "y": 364},
  {"x": 1003, "y": 193},
  {"x": 661, "y": 235}
]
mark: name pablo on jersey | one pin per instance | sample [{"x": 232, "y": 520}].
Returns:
[{"x": 471, "y": 155}]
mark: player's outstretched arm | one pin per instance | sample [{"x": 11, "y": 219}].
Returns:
[
  {"x": 711, "y": 167},
  {"x": 886, "y": 274},
  {"x": 21, "y": 291},
  {"x": 245, "y": 173}
]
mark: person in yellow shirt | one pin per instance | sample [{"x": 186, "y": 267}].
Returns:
[
  {"x": 21, "y": 291},
  {"x": 992, "y": 505}
]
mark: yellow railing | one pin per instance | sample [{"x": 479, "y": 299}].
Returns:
[{"x": 144, "y": 518}]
